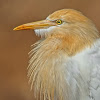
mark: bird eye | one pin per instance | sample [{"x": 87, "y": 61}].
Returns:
[{"x": 59, "y": 21}]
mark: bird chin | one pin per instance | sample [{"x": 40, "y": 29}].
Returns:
[
  {"x": 44, "y": 32},
  {"x": 40, "y": 32}
]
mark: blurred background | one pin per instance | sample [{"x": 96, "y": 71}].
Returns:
[{"x": 15, "y": 45}]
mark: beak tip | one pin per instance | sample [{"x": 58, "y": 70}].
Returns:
[
  {"x": 21, "y": 27},
  {"x": 14, "y": 29}
]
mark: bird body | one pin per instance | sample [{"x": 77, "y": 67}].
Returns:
[{"x": 65, "y": 63}]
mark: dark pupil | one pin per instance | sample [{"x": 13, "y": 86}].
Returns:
[{"x": 59, "y": 22}]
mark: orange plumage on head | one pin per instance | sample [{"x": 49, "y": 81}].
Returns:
[{"x": 65, "y": 33}]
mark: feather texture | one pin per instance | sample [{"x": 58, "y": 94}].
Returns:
[
  {"x": 65, "y": 63},
  {"x": 58, "y": 77}
]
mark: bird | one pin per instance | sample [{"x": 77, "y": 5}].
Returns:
[{"x": 65, "y": 62}]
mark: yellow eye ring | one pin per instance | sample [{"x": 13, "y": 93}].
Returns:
[{"x": 59, "y": 21}]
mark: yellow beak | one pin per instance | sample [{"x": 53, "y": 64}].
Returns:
[{"x": 36, "y": 25}]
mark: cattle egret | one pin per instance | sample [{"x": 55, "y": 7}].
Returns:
[{"x": 65, "y": 63}]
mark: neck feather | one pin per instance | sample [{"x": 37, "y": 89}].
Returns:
[{"x": 46, "y": 69}]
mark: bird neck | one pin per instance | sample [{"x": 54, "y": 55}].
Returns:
[
  {"x": 47, "y": 68},
  {"x": 71, "y": 44}
]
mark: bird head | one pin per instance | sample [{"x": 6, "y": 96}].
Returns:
[
  {"x": 66, "y": 21},
  {"x": 71, "y": 27}
]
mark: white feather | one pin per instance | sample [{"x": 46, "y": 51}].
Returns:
[
  {"x": 88, "y": 63},
  {"x": 43, "y": 32}
]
